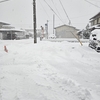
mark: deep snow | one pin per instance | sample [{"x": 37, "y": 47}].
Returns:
[{"x": 48, "y": 71}]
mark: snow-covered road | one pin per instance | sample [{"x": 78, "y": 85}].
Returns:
[{"x": 48, "y": 71}]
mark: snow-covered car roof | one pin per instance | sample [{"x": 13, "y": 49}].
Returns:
[{"x": 96, "y": 31}]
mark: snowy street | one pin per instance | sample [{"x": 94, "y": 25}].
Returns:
[{"x": 48, "y": 71}]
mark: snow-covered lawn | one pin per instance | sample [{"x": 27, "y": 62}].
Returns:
[{"x": 48, "y": 71}]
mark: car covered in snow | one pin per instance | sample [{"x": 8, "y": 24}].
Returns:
[
  {"x": 94, "y": 40},
  {"x": 52, "y": 36}
]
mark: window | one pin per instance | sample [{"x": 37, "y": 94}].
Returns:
[
  {"x": 95, "y": 22},
  {"x": 98, "y": 20},
  {"x": 92, "y": 23}
]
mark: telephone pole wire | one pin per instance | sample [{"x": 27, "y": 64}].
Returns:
[{"x": 34, "y": 21}]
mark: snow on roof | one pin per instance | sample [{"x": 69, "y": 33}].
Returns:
[
  {"x": 64, "y": 25},
  {"x": 2, "y": 23},
  {"x": 13, "y": 30},
  {"x": 67, "y": 26},
  {"x": 95, "y": 16},
  {"x": 8, "y": 26},
  {"x": 96, "y": 31}
]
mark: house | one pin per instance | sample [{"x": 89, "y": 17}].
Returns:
[
  {"x": 8, "y": 32},
  {"x": 95, "y": 20},
  {"x": 11, "y": 34},
  {"x": 65, "y": 31},
  {"x": 7, "y": 27},
  {"x": 1, "y": 26}
]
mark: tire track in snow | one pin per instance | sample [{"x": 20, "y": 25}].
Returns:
[{"x": 62, "y": 86}]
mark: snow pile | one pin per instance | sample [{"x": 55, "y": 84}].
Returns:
[
  {"x": 48, "y": 71},
  {"x": 97, "y": 33}
]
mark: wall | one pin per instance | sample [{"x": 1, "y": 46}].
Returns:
[
  {"x": 65, "y": 32},
  {"x": 95, "y": 21},
  {"x": 1, "y": 36}
]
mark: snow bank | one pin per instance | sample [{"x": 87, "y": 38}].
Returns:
[{"x": 48, "y": 71}]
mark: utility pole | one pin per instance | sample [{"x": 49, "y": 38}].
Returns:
[
  {"x": 34, "y": 21},
  {"x": 47, "y": 29},
  {"x": 53, "y": 22}
]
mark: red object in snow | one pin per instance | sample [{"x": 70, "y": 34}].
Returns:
[{"x": 5, "y": 49}]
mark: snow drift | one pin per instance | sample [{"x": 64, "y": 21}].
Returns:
[{"x": 48, "y": 71}]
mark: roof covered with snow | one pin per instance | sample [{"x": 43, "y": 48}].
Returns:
[
  {"x": 67, "y": 26},
  {"x": 98, "y": 14},
  {"x": 11, "y": 30},
  {"x": 3, "y": 23}
]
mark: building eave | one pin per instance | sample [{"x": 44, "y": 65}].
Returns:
[
  {"x": 95, "y": 16},
  {"x": 3, "y": 23},
  {"x": 67, "y": 26},
  {"x": 11, "y": 30},
  {"x": 63, "y": 25}
]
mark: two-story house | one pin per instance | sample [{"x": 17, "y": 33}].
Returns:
[
  {"x": 95, "y": 20},
  {"x": 8, "y": 32},
  {"x": 2, "y": 35}
]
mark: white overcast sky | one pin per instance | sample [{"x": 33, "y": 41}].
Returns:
[{"x": 19, "y": 13}]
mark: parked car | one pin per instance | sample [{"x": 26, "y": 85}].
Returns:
[
  {"x": 52, "y": 36},
  {"x": 94, "y": 41}
]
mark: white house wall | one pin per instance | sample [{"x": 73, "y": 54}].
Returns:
[
  {"x": 65, "y": 32},
  {"x": 1, "y": 36}
]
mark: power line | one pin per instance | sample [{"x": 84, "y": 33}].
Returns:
[
  {"x": 55, "y": 7},
  {"x": 65, "y": 12},
  {"x": 3, "y": 1},
  {"x": 96, "y": 0},
  {"x": 63, "y": 23},
  {"x": 92, "y": 3},
  {"x": 53, "y": 11},
  {"x": 43, "y": 8}
]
